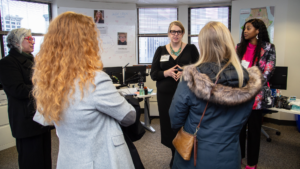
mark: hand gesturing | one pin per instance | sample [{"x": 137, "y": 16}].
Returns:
[{"x": 171, "y": 73}]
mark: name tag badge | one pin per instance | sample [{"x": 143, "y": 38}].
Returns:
[
  {"x": 245, "y": 64},
  {"x": 164, "y": 58}
]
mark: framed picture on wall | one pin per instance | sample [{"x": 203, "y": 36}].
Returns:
[
  {"x": 122, "y": 38},
  {"x": 99, "y": 16}
]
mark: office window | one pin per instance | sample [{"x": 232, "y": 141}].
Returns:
[
  {"x": 153, "y": 26},
  {"x": 198, "y": 17},
  {"x": 22, "y": 14}
]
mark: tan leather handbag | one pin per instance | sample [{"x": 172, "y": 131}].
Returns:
[{"x": 184, "y": 141}]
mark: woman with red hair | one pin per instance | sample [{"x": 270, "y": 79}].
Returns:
[{"x": 73, "y": 92}]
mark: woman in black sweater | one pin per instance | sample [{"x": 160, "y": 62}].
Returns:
[
  {"x": 33, "y": 141},
  {"x": 164, "y": 70}
]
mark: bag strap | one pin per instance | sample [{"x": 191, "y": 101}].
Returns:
[{"x": 198, "y": 127}]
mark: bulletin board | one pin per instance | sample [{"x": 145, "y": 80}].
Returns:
[{"x": 117, "y": 30}]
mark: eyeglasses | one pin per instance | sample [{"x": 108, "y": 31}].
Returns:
[
  {"x": 174, "y": 32},
  {"x": 30, "y": 39}
]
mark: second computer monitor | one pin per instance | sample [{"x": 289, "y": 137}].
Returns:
[
  {"x": 279, "y": 78},
  {"x": 115, "y": 73},
  {"x": 132, "y": 74}
]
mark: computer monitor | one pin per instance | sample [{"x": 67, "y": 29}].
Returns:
[
  {"x": 132, "y": 74},
  {"x": 279, "y": 78},
  {"x": 115, "y": 73}
]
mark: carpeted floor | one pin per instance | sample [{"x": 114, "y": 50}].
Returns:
[{"x": 282, "y": 153}]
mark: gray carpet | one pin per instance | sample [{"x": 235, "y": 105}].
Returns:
[{"x": 282, "y": 153}]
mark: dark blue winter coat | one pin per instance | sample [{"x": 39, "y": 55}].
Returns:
[{"x": 228, "y": 110}]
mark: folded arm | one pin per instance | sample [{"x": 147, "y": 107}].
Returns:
[{"x": 108, "y": 101}]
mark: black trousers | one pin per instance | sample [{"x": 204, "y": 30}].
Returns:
[
  {"x": 35, "y": 152},
  {"x": 164, "y": 101},
  {"x": 253, "y": 140}
]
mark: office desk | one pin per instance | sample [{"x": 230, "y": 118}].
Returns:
[
  {"x": 146, "y": 124},
  {"x": 284, "y": 110},
  {"x": 131, "y": 91}
]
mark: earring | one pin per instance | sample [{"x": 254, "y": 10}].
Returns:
[{"x": 257, "y": 36}]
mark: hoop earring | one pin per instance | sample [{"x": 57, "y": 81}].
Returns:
[{"x": 257, "y": 36}]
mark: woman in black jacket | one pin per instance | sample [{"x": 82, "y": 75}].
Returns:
[
  {"x": 33, "y": 141},
  {"x": 164, "y": 71}
]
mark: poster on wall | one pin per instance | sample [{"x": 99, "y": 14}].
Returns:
[
  {"x": 99, "y": 16},
  {"x": 122, "y": 38},
  {"x": 266, "y": 14},
  {"x": 117, "y": 33}
]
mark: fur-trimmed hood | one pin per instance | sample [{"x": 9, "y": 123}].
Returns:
[{"x": 201, "y": 85}]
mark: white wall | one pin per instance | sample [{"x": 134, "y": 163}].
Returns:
[
  {"x": 94, "y": 5},
  {"x": 291, "y": 54},
  {"x": 285, "y": 35}
]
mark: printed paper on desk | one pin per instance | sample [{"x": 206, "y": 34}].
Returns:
[{"x": 164, "y": 58}]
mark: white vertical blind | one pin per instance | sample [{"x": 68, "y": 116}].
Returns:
[
  {"x": 21, "y": 14},
  {"x": 156, "y": 20},
  {"x": 200, "y": 16},
  {"x": 148, "y": 46},
  {"x": 29, "y": 15}
]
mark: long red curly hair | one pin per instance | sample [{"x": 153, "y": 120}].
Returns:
[{"x": 70, "y": 51}]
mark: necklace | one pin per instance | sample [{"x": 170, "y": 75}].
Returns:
[{"x": 175, "y": 53}]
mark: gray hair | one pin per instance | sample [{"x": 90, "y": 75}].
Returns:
[{"x": 16, "y": 36}]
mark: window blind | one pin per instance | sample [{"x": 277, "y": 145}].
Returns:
[
  {"x": 156, "y": 20},
  {"x": 200, "y": 16}
]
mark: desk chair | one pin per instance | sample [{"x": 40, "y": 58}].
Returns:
[{"x": 270, "y": 128}]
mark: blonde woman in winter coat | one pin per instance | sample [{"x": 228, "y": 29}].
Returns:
[{"x": 230, "y": 101}]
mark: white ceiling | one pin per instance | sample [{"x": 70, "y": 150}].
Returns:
[{"x": 149, "y": 2}]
